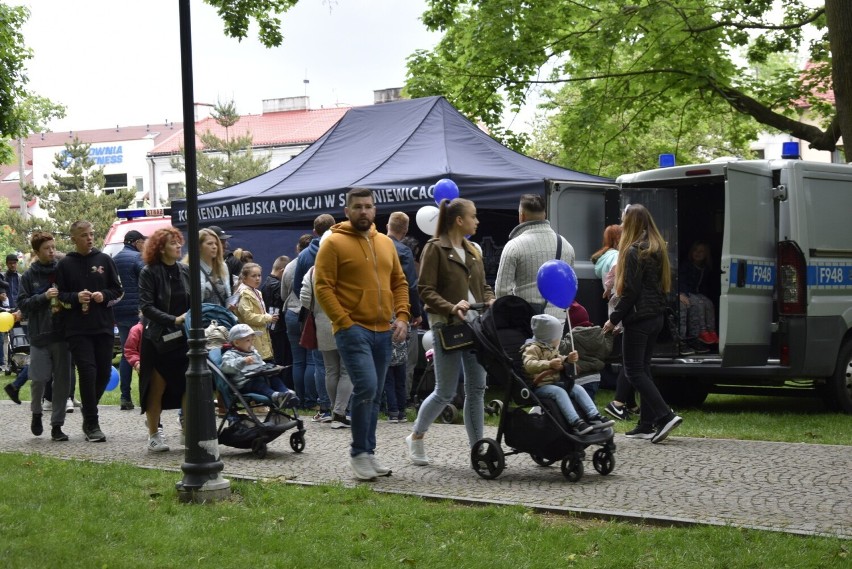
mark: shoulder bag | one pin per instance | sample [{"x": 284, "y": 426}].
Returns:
[
  {"x": 308, "y": 339},
  {"x": 455, "y": 336}
]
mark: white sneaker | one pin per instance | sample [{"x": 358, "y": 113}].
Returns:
[
  {"x": 47, "y": 406},
  {"x": 69, "y": 406},
  {"x": 156, "y": 443},
  {"x": 362, "y": 466},
  {"x": 77, "y": 404},
  {"x": 380, "y": 469},
  {"x": 416, "y": 451}
]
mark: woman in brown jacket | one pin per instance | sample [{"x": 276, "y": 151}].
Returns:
[{"x": 452, "y": 277}]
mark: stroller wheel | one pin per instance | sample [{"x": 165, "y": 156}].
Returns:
[
  {"x": 572, "y": 468},
  {"x": 487, "y": 458},
  {"x": 449, "y": 414},
  {"x": 258, "y": 447},
  {"x": 541, "y": 461},
  {"x": 494, "y": 407},
  {"x": 297, "y": 441},
  {"x": 603, "y": 461}
]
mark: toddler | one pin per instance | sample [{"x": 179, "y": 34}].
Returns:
[
  {"x": 544, "y": 369},
  {"x": 243, "y": 358}
]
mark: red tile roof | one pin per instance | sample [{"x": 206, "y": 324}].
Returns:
[{"x": 269, "y": 129}]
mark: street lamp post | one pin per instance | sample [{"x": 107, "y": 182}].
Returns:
[{"x": 202, "y": 480}]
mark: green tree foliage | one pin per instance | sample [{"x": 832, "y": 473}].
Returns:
[
  {"x": 14, "y": 231},
  {"x": 238, "y": 14},
  {"x": 76, "y": 191},
  {"x": 223, "y": 162},
  {"x": 640, "y": 61},
  {"x": 21, "y": 112}
]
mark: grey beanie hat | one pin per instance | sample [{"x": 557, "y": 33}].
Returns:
[{"x": 546, "y": 328}]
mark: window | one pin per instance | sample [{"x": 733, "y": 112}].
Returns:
[{"x": 114, "y": 182}]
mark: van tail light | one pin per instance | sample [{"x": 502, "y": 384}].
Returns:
[
  {"x": 792, "y": 279},
  {"x": 785, "y": 355}
]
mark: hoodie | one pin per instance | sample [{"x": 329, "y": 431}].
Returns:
[
  {"x": 94, "y": 271},
  {"x": 359, "y": 279},
  {"x": 44, "y": 326}
]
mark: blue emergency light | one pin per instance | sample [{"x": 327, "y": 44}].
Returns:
[
  {"x": 142, "y": 212},
  {"x": 790, "y": 151},
  {"x": 667, "y": 160}
]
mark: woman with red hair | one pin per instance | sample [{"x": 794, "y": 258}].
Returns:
[{"x": 164, "y": 301}]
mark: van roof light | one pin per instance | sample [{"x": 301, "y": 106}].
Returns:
[
  {"x": 790, "y": 151},
  {"x": 142, "y": 212}
]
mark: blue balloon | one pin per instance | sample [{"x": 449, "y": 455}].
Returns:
[
  {"x": 113, "y": 380},
  {"x": 557, "y": 283},
  {"x": 445, "y": 189}
]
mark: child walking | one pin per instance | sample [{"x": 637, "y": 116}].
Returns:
[
  {"x": 242, "y": 358},
  {"x": 544, "y": 368}
]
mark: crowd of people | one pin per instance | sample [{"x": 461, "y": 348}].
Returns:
[{"x": 368, "y": 293}]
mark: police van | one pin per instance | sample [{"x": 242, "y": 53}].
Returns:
[{"x": 780, "y": 236}]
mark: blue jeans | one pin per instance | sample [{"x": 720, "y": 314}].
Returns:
[
  {"x": 395, "y": 390},
  {"x": 125, "y": 370},
  {"x": 637, "y": 348},
  {"x": 447, "y": 366},
  {"x": 366, "y": 355},
  {"x": 266, "y": 386},
  {"x": 563, "y": 401},
  {"x": 319, "y": 379},
  {"x": 306, "y": 392}
]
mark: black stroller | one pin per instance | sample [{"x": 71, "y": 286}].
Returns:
[
  {"x": 546, "y": 437},
  {"x": 241, "y": 427},
  {"x": 18, "y": 354}
]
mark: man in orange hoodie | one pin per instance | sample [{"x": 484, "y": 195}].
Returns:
[{"x": 361, "y": 287}]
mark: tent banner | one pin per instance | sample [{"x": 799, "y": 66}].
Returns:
[{"x": 283, "y": 208}]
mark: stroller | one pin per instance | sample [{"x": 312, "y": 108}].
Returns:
[
  {"x": 546, "y": 437},
  {"x": 241, "y": 427},
  {"x": 18, "y": 354}
]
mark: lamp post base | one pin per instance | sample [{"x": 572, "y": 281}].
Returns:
[{"x": 214, "y": 490}]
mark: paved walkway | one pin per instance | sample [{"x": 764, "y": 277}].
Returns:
[{"x": 796, "y": 488}]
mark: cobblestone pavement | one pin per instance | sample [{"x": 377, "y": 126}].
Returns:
[{"x": 796, "y": 488}]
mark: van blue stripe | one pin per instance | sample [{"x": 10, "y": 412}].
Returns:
[{"x": 830, "y": 275}]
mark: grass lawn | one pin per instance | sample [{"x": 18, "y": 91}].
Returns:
[{"x": 56, "y": 513}]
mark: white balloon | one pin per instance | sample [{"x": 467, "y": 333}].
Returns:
[
  {"x": 427, "y": 219},
  {"x": 428, "y": 341}
]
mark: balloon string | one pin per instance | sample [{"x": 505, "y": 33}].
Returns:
[{"x": 571, "y": 335}]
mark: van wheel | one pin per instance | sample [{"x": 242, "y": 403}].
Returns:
[
  {"x": 682, "y": 393},
  {"x": 840, "y": 386}
]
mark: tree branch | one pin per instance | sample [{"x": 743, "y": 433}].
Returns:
[{"x": 726, "y": 23}]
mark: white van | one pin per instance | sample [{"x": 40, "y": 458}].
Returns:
[
  {"x": 145, "y": 221},
  {"x": 781, "y": 236}
]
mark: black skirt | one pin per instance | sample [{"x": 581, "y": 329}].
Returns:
[{"x": 171, "y": 366}]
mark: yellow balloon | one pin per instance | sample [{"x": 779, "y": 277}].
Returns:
[{"x": 6, "y": 321}]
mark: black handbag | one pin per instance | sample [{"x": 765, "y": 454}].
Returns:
[
  {"x": 165, "y": 338},
  {"x": 455, "y": 336}
]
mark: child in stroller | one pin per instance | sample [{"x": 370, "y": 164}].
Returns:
[
  {"x": 242, "y": 359},
  {"x": 260, "y": 385},
  {"x": 551, "y": 379},
  {"x": 500, "y": 334}
]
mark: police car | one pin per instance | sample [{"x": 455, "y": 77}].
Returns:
[{"x": 780, "y": 236}]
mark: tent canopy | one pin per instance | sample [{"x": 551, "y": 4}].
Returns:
[{"x": 399, "y": 150}]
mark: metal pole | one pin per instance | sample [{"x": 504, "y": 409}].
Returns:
[{"x": 202, "y": 481}]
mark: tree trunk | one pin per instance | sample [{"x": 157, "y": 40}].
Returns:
[{"x": 838, "y": 16}]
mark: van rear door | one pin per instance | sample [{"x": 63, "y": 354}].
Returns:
[{"x": 748, "y": 266}]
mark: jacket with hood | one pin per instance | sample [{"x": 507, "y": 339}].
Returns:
[
  {"x": 359, "y": 279},
  {"x": 129, "y": 264},
  {"x": 304, "y": 262},
  {"x": 44, "y": 327},
  {"x": 643, "y": 295},
  {"x": 94, "y": 271}
]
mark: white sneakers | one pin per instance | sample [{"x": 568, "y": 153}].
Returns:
[
  {"x": 367, "y": 467},
  {"x": 69, "y": 406},
  {"x": 157, "y": 443},
  {"x": 416, "y": 451}
]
